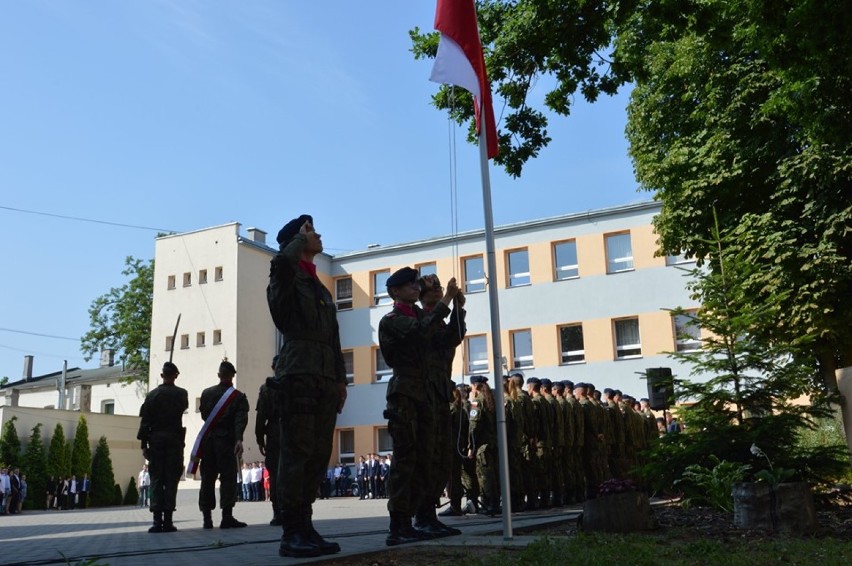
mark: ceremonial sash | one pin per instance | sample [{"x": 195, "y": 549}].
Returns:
[{"x": 222, "y": 404}]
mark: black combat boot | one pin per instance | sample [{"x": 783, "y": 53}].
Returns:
[
  {"x": 276, "y": 518},
  {"x": 208, "y": 519},
  {"x": 325, "y": 546},
  {"x": 157, "y": 527},
  {"x": 401, "y": 531},
  {"x": 168, "y": 525},
  {"x": 427, "y": 521},
  {"x": 228, "y": 521},
  {"x": 295, "y": 542}
]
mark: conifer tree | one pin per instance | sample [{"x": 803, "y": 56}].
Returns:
[
  {"x": 81, "y": 455},
  {"x": 131, "y": 497},
  {"x": 66, "y": 460},
  {"x": 35, "y": 467},
  {"x": 103, "y": 478},
  {"x": 56, "y": 453},
  {"x": 10, "y": 444}
]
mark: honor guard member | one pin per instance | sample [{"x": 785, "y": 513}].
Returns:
[
  {"x": 310, "y": 381},
  {"x": 404, "y": 335},
  {"x": 162, "y": 435},
  {"x": 222, "y": 446},
  {"x": 267, "y": 433}
]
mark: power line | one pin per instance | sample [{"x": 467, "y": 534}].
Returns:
[
  {"x": 92, "y": 220},
  {"x": 39, "y": 334}
]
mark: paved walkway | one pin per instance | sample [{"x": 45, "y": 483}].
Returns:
[{"x": 118, "y": 535}]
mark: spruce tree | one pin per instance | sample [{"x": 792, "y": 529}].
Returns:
[
  {"x": 10, "y": 444},
  {"x": 81, "y": 454},
  {"x": 66, "y": 459},
  {"x": 131, "y": 497},
  {"x": 35, "y": 468},
  {"x": 103, "y": 478},
  {"x": 56, "y": 453}
]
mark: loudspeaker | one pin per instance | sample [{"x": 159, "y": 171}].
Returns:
[{"x": 660, "y": 388}]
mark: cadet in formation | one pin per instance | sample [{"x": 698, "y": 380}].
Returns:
[
  {"x": 482, "y": 447},
  {"x": 162, "y": 436}
]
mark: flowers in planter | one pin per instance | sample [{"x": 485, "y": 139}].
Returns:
[
  {"x": 772, "y": 476},
  {"x": 613, "y": 486}
]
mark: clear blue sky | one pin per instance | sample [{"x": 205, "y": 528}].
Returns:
[{"x": 183, "y": 115}]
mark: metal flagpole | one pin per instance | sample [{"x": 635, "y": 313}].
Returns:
[{"x": 497, "y": 360}]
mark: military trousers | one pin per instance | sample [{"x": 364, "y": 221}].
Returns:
[
  {"x": 487, "y": 474},
  {"x": 516, "y": 479},
  {"x": 273, "y": 452},
  {"x": 218, "y": 461},
  {"x": 411, "y": 425},
  {"x": 165, "y": 466},
  {"x": 442, "y": 458},
  {"x": 308, "y": 408}
]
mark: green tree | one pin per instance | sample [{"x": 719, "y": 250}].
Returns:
[
  {"x": 131, "y": 496},
  {"x": 35, "y": 467},
  {"x": 69, "y": 451},
  {"x": 103, "y": 478},
  {"x": 81, "y": 453},
  {"x": 56, "y": 463},
  {"x": 10, "y": 444},
  {"x": 121, "y": 319}
]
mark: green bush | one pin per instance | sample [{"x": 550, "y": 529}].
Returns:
[
  {"x": 117, "y": 498},
  {"x": 712, "y": 486},
  {"x": 131, "y": 497}
]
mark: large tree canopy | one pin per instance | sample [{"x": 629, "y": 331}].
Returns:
[{"x": 121, "y": 319}]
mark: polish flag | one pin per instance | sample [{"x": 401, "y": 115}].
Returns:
[{"x": 460, "y": 61}]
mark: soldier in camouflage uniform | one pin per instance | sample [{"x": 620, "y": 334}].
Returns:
[
  {"x": 459, "y": 430},
  {"x": 516, "y": 441},
  {"x": 617, "y": 440},
  {"x": 468, "y": 471},
  {"x": 565, "y": 409},
  {"x": 528, "y": 450},
  {"x": 310, "y": 383},
  {"x": 594, "y": 446},
  {"x": 267, "y": 432},
  {"x": 483, "y": 442},
  {"x": 404, "y": 338},
  {"x": 162, "y": 436},
  {"x": 544, "y": 426},
  {"x": 557, "y": 445},
  {"x": 221, "y": 450},
  {"x": 577, "y": 489}
]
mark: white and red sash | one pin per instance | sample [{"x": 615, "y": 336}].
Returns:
[{"x": 222, "y": 404}]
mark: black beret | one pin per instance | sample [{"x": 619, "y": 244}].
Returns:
[
  {"x": 644, "y": 400},
  {"x": 227, "y": 367},
  {"x": 546, "y": 382},
  {"x": 534, "y": 381},
  {"x": 402, "y": 276},
  {"x": 292, "y": 228},
  {"x": 618, "y": 392},
  {"x": 579, "y": 384},
  {"x": 608, "y": 391},
  {"x": 559, "y": 385},
  {"x": 589, "y": 385},
  {"x": 568, "y": 383},
  {"x": 517, "y": 373},
  {"x": 478, "y": 379},
  {"x": 170, "y": 368}
]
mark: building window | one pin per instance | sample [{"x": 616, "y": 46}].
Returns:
[
  {"x": 384, "y": 441},
  {"x": 202, "y": 276},
  {"x": 169, "y": 344},
  {"x": 198, "y": 404},
  {"x": 200, "y": 339},
  {"x": 687, "y": 332},
  {"x": 380, "y": 288},
  {"x": 571, "y": 341},
  {"x": 519, "y": 268},
  {"x": 171, "y": 283},
  {"x": 217, "y": 273},
  {"x": 477, "y": 354},
  {"x": 619, "y": 253},
  {"x": 565, "y": 264},
  {"x": 108, "y": 407},
  {"x": 474, "y": 274},
  {"x": 349, "y": 363},
  {"x": 187, "y": 279},
  {"x": 184, "y": 341},
  {"x": 383, "y": 370},
  {"x": 522, "y": 355},
  {"x": 346, "y": 446},
  {"x": 217, "y": 337},
  {"x": 627, "y": 341},
  {"x": 427, "y": 269},
  {"x": 343, "y": 293}
]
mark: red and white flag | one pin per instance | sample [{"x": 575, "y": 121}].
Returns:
[{"x": 460, "y": 61}]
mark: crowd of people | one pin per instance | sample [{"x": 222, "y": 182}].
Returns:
[
  {"x": 61, "y": 492},
  {"x": 13, "y": 490}
]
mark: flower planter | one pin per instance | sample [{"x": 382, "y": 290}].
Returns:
[
  {"x": 783, "y": 507},
  {"x": 618, "y": 513}
]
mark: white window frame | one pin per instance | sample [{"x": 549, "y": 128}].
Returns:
[
  {"x": 525, "y": 361},
  {"x": 690, "y": 329},
  {"x": 626, "y": 351},
  {"x": 200, "y": 339},
  {"x": 618, "y": 263},
  {"x": 169, "y": 344},
  {"x": 479, "y": 366},
  {"x": 217, "y": 337},
  {"x": 171, "y": 284},
  {"x": 350, "y": 375},
  {"x": 474, "y": 285},
  {"x": 202, "y": 276},
  {"x": 107, "y": 403},
  {"x": 380, "y": 292},
  {"x": 342, "y": 303},
  {"x": 572, "y": 353},
  {"x": 383, "y": 375},
  {"x": 387, "y": 447},
  {"x": 519, "y": 278},
  {"x": 345, "y": 457},
  {"x": 568, "y": 271},
  {"x": 187, "y": 279},
  {"x": 431, "y": 269},
  {"x": 184, "y": 341},
  {"x": 218, "y": 274},
  {"x": 678, "y": 259}
]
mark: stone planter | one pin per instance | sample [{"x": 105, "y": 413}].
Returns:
[
  {"x": 784, "y": 507},
  {"x": 618, "y": 513}
]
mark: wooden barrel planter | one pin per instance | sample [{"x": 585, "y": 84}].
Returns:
[
  {"x": 787, "y": 507},
  {"x": 618, "y": 513}
]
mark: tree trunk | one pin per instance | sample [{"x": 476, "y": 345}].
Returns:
[{"x": 844, "y": 386}]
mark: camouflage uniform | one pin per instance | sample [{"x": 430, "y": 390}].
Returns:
[
  {"x": 162, "y": 431},
  {"x": 516, "y": 440},
  {"x": 459, "y": 430},
  {"x": 483, "y": 443},
  {"x": 557, "y": 447},
  {"x": 267, "y": 432},
  {"x": 578, "y": 486},
  {"x": 529, "y": 450},
  {"x": 545, "y": 421}
]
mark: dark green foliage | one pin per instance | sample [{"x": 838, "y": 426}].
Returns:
[
  {"x": 10, "y": 444},
  {"x": 103, "y": 477},
  {"x": 69, "y": 450},
  {"x": 121, "y": 319},
  {"x": 711, "y": 485},
  {"x": 81, "y": 454},
  {"x": 117, "y": 498},
  {"x": 57, "y": 465},
  {"x": 131, "y": 497},
  {"x": 34, "y": 466}
]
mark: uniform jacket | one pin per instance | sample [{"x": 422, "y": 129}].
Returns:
[
  {"x": 444, "y": 339},
  {"x": 233, "y": 421},
  {"x": 162, "y": 412}
]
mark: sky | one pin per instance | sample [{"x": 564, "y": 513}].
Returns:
[{"x": 176, "y": 116}]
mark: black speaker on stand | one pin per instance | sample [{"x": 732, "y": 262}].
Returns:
[{"x": 660, "y": 388}]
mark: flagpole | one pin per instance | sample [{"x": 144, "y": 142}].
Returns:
[{"x": 497, "y": 358}]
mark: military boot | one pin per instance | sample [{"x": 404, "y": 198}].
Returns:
[
  {"x": 276, "y": 519},
  {"x": 426, "y": 517},
  {"x": 228, "y": 521},
  {"x": 401, "y": 531},
  {"x": 325, "y": 546},
  {"x": 295, "y": 542},
  {"x": 157, "y": 527},
  {"x": 168, "y": 524},
  {"x": 208, "y": 519}
]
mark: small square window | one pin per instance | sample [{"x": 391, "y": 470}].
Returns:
[
  {"x": 427, "y": 269},
  {"x": 202, "y": 276},
  {"x": 184, "y": 341},
  {"x": 217, "y": 337},
  {"x": 384, "y": 440},
  {"x": 349, "y": 363},
  {"x": 346, "y": 446},
  {"x": 627, "y": 340},
  {"x": 108, "y": 407},
  {"x": 187, "y": 279},
  {"x": 522, "y": 354},
  {"x": 519, "y": 268},
  {"x": 343, "y": 293},
  {"x": 169, "y": 344},
  {"x": 474, "y": 274},
  {"x": 565, "y": 260},
  {"x": 477, "y": 354},
  {"x": 383, "y": 370},
  {"x": 200, "y": 340},
  {"x": 217, "y": 274},
  {"x": 619, "y": 253},
  {"x": 380, "y": 288},
  {"x": 571, "y": 340},
  {"x": 171, "y": 283}
]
